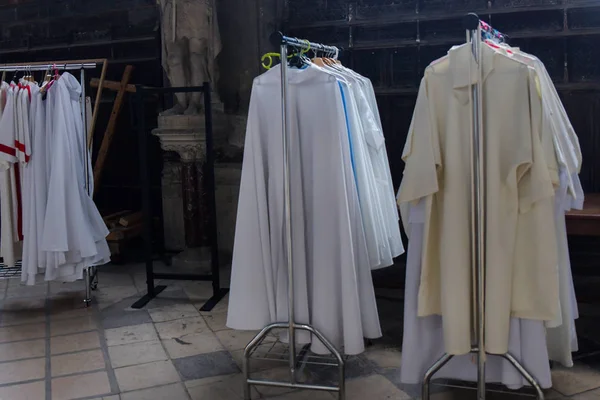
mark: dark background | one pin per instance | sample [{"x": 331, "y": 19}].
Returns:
[{"x": 390, "y": 41}]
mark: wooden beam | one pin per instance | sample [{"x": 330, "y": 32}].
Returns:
[
  {"x": 112, "y": 85},
  {"x": 90, "y": 137},
  {"x": 110, "y": 128}
]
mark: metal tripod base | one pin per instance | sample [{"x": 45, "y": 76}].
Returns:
[
  {"x": 439, "y": 364},
  {"x": 292, "y": 384}
]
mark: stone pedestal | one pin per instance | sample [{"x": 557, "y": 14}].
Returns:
[
  {"x": 178, "y": 137},
  {"x": 185, "y": 136}
]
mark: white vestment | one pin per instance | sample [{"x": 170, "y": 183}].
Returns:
[
  {"x": 333, "y": 286},
  {"x": 74, "y": 232}
]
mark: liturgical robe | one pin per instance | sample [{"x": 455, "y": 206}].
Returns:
[
  {"x": 332, "y": 278},
  {"x": 437, "y": 155}
]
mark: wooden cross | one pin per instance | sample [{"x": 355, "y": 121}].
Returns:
[{"x": 121, "y": 88}]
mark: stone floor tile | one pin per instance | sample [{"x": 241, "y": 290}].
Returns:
[
  {"x": 77, "y": 386},
  {"x": 26, "y": 391},
  {"x": 26, "y": 291},
  {"x": 373, "y": 387},
  {"x": 20, "y": 371},
  {"x": 121, "y": 314},
  {"x": 198, "y": 291},
  {"x": 171, "y": 296},
  {"x": 24, "y": 305},
  {"x": 130, "y": 334},
  {"x": 227, "y": 387},
  {"x": 73, "y": 325},
  {"x": 175, "y": 391},
  {"x": 591, "y": 395},
  {"x": 22, "y": 317},
  {"x": 72, "y": 363},
  {"x": 235, "y": 340},
  {"x": 57, "y": 287},
  {"x": 77, "y": 342},
  {"x": 191, "y": 345},
  {"x": 136, "y": 353},
  {"x": 571, "y": 381},
  {"x": 113, "y": 279},
  {"x": 206, "y": 365},
  {"x": 305, "y": 395},
  {"x": 171, "y": 313},
  {"x": 21, "y": 350},
  {"x": 22, "y": 332},
  {"x": 216, "y": 321},
  {"x": 146, "y": 375},
  {"x": 385, "y": 358},
  {"x": 356, "y": 367},
  {"x": 256, "y": 364},
  {"x": 114, "y": 294},
  {"x": 181, "y": 328},
  {"x": 62, "y": 313},
  {"x": 279, "y": 374}
]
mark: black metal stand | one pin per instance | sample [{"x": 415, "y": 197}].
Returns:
[{"x": 153, "y": 291}]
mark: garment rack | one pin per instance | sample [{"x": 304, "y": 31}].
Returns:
[
  {"x": 140, "y": 95},
  {"x": 90, "y": 273},
  {"x": 294, "y": 360},
  {"x": 474, "y": 28}
]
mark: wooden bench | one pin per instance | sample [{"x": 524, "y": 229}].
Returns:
[{"x": 585, "y": 222}]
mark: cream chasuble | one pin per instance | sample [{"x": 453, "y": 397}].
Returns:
[{"x": 437, "y": 156}]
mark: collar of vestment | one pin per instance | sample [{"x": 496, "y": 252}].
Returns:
[{"x": 462, "y": 78}]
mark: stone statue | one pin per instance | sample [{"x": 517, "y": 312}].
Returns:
[{"x": 191, "y": 43}]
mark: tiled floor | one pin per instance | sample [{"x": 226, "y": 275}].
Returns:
[{"x": 52, "y": 348}]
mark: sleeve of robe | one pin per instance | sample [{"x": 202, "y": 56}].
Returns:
[
  {"x": 421, "y": 156},
  {"x": 535, "y": 273},
  {"x": 251, "y": 301}
]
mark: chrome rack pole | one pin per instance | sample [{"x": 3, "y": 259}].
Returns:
[
  {"x": 478, "y": 229},
  {"x": 288, "y": 213},
  {"x": 285, "y": 42},
  {"x": 88, "y": 270},
  {"x": 478, "y": 208}
]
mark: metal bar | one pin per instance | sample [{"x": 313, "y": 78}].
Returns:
[
  {"x": 293, "y": 385},
  {"x": 44, "y": 67},
  {"x": 145, "y": 183},
  {"x": 280, "y": 39},
  {"x": 167, "y": 90},
  {"x": 288, "y": 212},
  {"x": 439, "y": 364},
  {"x": 478, "y": 213},
  {"x": 182, "y": 277},
  {"x": 88, "y": 287},
  {"x": 209, "y": 181},
  {"x": 525, "y": 374},
  {"x": 291, "y": 325}
]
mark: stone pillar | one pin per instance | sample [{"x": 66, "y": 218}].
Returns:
[{"x": 186, "y": 136}]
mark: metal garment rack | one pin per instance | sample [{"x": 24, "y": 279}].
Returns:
[
  {"x": 90, "y": 273},
  {"x": 294, "y": 360},
  {"x": 141, "y": 92},
  {"x": 474, "y": 28}
]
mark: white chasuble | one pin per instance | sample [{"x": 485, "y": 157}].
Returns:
[
  {"x": 74, "y": 232},
  {"x": 333, "y": 287}
]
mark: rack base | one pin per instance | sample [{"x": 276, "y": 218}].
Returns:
[
  {"x": 266, "y": 346},
  {"x": 439, "y": 364}
]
